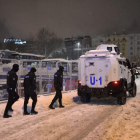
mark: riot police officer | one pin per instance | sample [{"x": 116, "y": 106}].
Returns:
[
  {"x": 30, "y": 91},
  {"x": 11, "y": 88},
  {"x": 58, "y": 81}
]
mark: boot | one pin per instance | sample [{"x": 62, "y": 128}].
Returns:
[
  {"x": 33, "y": 112},
  {"x": 61, "y": 106},
  {"x": 6, "y": 116},
  {"x": 26, "y": 113},
  {"x": 60, "y": 103},
  {"x": 25, "y": 110},
  {"x": 51, "y": 107}
]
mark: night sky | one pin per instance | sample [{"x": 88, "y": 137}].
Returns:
[{"x": 67, "y": 18}]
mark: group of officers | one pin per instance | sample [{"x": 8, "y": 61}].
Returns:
[{"x": 30, "y": 89}]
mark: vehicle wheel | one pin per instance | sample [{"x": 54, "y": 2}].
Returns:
[
  {"x": 134, "y": 90},
  {"x": 86, "y": 98},
  {"x": 121, "y": 100},
  {"x": 83, "y": 99}
]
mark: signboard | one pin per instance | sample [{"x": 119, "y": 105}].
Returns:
[
  {"x": 49, "y": 85},
  {"x": 65, "y": 68},
  {"x": 64, "y": 84},
  {"x": 28, "y": 68},
  {"x": 6, "y": 69},
  {"x": 49, "y": 68}
]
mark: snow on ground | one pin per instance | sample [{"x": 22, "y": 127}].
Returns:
[{"x": 101, "y": 119}]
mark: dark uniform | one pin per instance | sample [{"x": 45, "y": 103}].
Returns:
[
  {"x": 30, "y": 91},
  {"x": 58, "y": 84},
  {"x": 11, "y": 88}
]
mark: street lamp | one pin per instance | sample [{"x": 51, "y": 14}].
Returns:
[
  {"x": 78, "y": 44},
  {"x": 77, "y": 47}
]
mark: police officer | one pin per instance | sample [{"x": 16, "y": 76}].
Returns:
[
  {"x": 58, "y": 81},
  {"x": 29, "y": 91},
  {"x": 11, "y": 88}
]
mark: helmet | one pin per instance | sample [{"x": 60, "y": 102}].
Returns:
[
  {"x": 61, "y": 68},
  {"x": 15, "y": 67},
  {"x": 33, "y": 69}
]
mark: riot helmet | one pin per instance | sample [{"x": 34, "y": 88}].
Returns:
[
  {"x": 33, "y": 69},
  {"x": 15, "y": 67},
  {"x": 61, "y": 68}
]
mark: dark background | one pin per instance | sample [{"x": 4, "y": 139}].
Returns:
[{"x": 67, "y": 18}]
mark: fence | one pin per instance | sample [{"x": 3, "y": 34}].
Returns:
[{"x": 44, "y": 75}]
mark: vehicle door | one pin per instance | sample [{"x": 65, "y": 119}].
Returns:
[
  {"x": 125, "y": 70},
  {"x": 129, "y": 75},
  {"x": 97, "y": 72}
]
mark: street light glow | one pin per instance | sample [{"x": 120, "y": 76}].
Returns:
[{"x": 78, "y": 44}]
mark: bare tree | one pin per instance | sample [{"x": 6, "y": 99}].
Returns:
[
  {"x": 59, "y": 54},
  {"x": 47, "y": 41}
]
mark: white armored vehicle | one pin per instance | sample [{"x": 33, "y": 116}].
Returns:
[{"x": 103, "y": 73}]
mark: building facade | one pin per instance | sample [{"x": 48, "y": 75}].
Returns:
[
  {"x": 121, "y": 41},
  {"x": 96, "y": 41},
  {"x": 16, "y": 41},
  {"x": 76, "y": 46},
  {"x": 134, "y": 47},
  {"x": 129, "y": 45}
]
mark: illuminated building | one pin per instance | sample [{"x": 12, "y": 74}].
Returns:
[
  {"x": 16, "y": 41},
  {"x": 121, "y": 41},
  {"x": 76, "y": 46}
]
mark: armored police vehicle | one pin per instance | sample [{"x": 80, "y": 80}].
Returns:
[{"x": 103, "y": 73}]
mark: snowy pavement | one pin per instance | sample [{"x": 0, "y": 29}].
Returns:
[{"x": 101, "y": 119}]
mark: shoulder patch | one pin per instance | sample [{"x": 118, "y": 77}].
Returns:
[
  {"x": 26, "y": 76},
  {"x": 55, "y": 75}
]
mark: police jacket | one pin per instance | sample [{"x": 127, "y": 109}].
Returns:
[
  {"x": 58, "y": 80},
  {"x": 30, "y": 82},
  {"x": 12, "y": 79}
]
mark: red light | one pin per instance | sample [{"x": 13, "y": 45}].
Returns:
[
  {"x": 115, "y": 82},
  {"x": 79, "y": 81}
]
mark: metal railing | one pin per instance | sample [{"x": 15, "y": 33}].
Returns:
[{"x": 44, "y": 75}]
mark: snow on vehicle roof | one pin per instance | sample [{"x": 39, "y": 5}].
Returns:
[
  {"x": 39, "y": 55},
  {"x": 121, "y": 58},
  {"x": 97, "y": 51},
  {"x": 93, "y": 53},
  {"x": 61, "y": 60},
  {"x": 27, "y": 54},
  {"x": 3, "y": 82},
  {"x": 104, "y": 46},
  {"x": 7, "y": 51},
  {"x": 14, "y": 52}
]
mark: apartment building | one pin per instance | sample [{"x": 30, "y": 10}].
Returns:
[
  {"x": 134, "y": 47},
  {"x": 121, "y": 41},
  {"x": 76, "y": 46}
]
